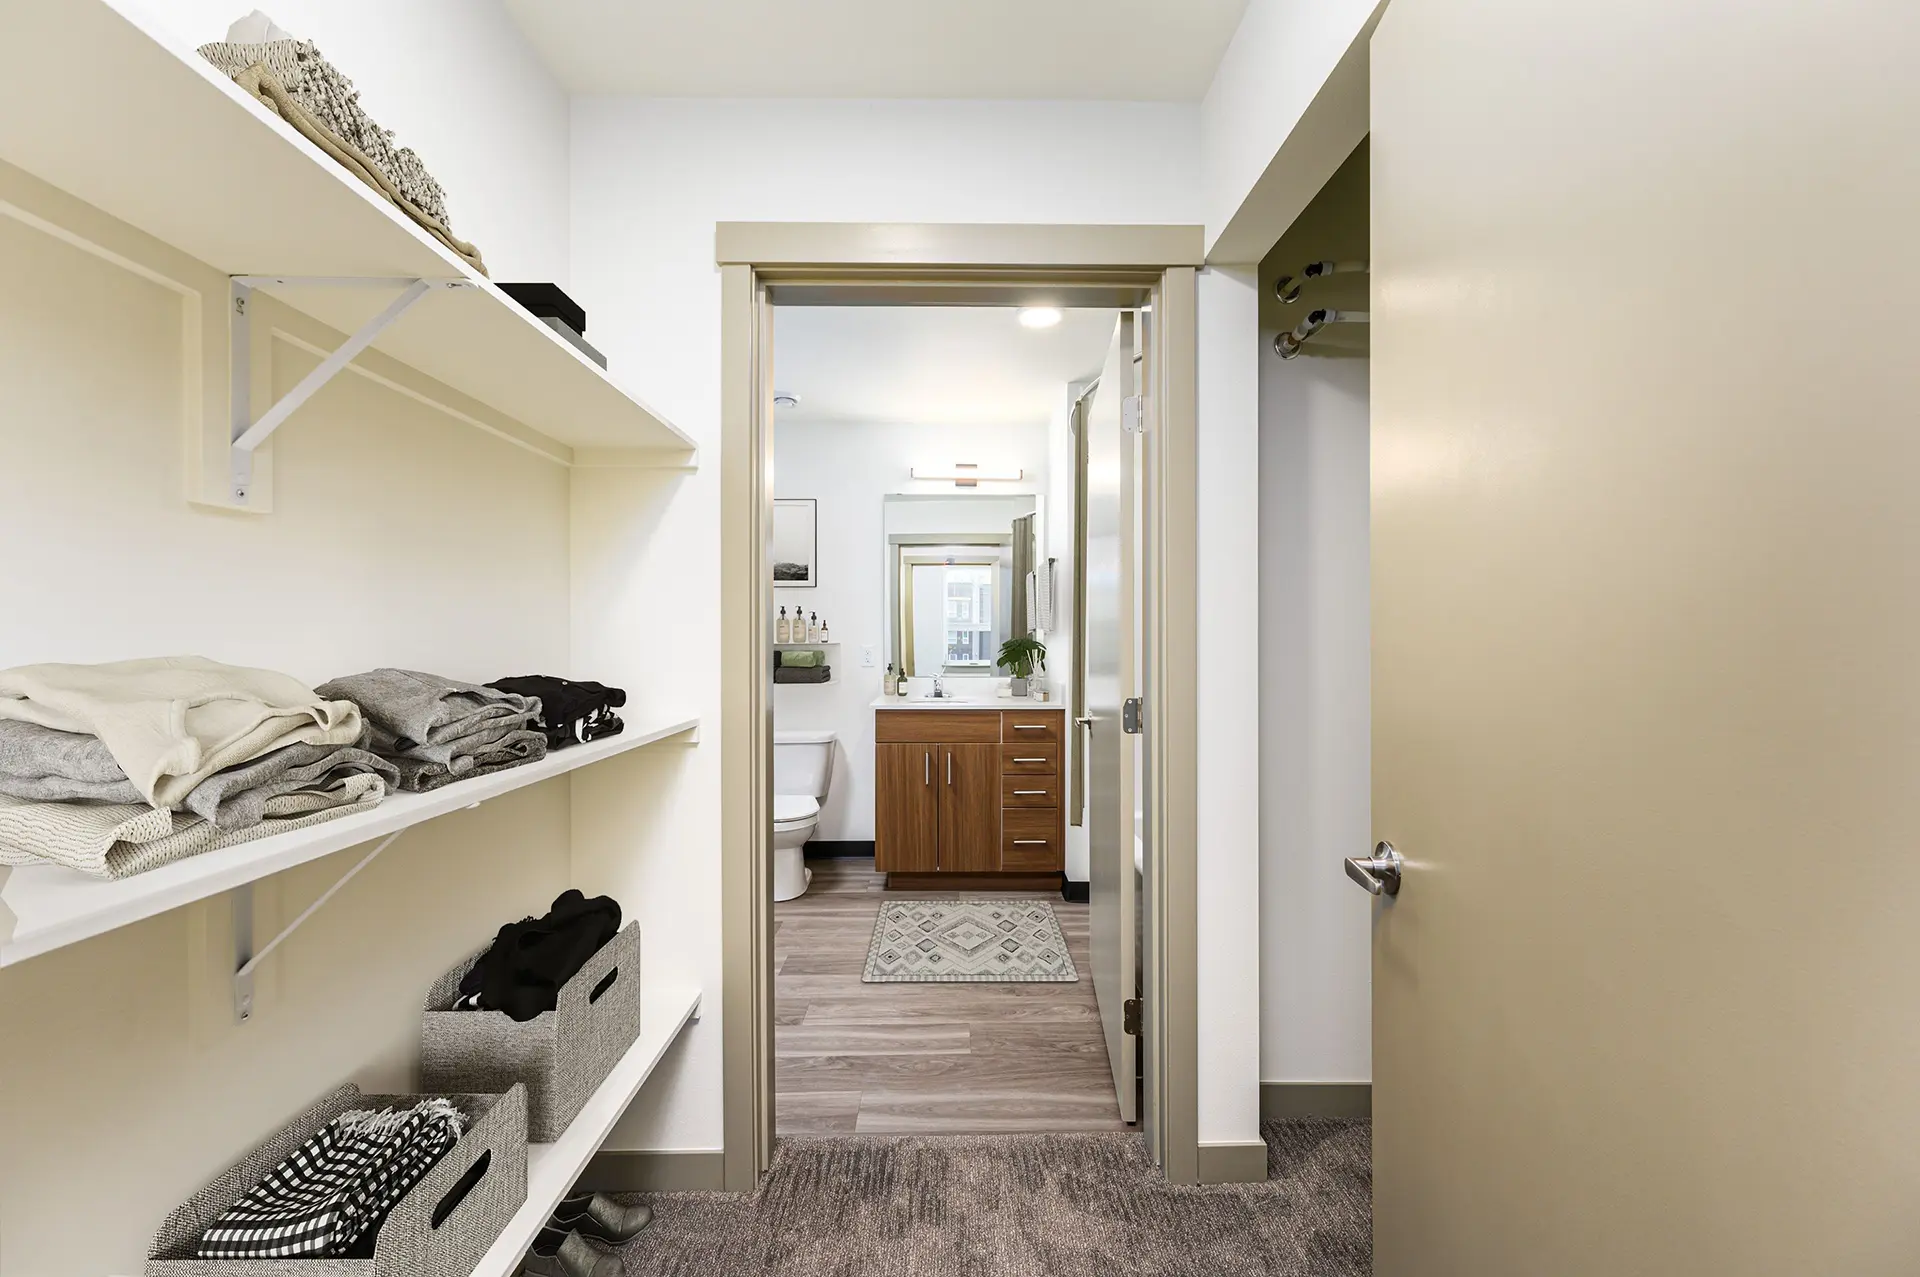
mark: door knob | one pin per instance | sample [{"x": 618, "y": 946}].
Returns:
[{"x": 1380, "y": 873}]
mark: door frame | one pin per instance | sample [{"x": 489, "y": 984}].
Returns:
[{"x": 819, "y": 263}]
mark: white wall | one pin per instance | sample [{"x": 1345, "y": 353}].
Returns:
[
  {"x": 1315, "y": 719},
  {"x": 121, "y": 1066},
  {"x": 850, "y": 470},
  {"x": 1281, "y": 57},
  {"x": 651, "y": 178},
  {"x": 1228, "y": 679},
  {"x": 455, "y": 81}
]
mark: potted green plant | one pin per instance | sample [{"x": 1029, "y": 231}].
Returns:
[{"x": 1022, "y": 657}]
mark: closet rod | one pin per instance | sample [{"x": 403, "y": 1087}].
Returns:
[
  {"x": 1287, "y": 287},
  {"x": 247, "y": 433}
]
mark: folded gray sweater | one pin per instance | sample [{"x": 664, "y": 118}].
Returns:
[
  {"x": 438, "y": 730},
  {"x": 44, "y": 765}
]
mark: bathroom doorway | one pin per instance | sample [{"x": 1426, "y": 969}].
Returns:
[
  {"x": 775, "y": 949},
  {"x": 933, "y": 940}
]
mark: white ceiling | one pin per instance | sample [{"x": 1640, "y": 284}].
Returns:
[
  {"x": 936, "y": 366},
  {"x": 1126, "y": 50}
]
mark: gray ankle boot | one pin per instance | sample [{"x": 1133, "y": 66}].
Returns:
[{"x": 557, "y": 1254}]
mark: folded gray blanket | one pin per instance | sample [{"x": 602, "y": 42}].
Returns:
[
  {"x": 418, "y": 775},
  {"x": 44, "y": 765},
  {"x": 432, "y": 719}
]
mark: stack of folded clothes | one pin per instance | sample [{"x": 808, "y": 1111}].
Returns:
[
  {"x": 570, "y": 713},
  {"x": 118, "y": 768},
  {"x": 330, "y": 1197},
  {"x": 522, "y": 972},
  {"x": 436, "y": 730},
  {"x": 801, "y": 667}
]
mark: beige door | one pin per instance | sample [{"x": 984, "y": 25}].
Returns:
[
  {"x": 1646, "y": 572},
  {"x": 1111, "y": 678}
]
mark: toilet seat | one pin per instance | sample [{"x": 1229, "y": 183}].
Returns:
[{"x": 794, "y": 809}]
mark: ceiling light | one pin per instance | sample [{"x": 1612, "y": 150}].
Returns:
[
  {"x": 781, "y": 399},
  {"x": 965, "y": 475},
  {"x": 1038, "y": 316}
]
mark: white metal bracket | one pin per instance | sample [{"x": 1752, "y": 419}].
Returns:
[
  {"x": 246, "y": 961},
  {"x": 247, "y": 433}
]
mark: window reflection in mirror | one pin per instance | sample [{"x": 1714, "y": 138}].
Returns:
[{"x": 951, "y": 579}]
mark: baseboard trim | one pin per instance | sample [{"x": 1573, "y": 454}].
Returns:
[
  {"x": 624, "y": 1171},
  {"x": 1282, "y": 1100},
  {"x": 840, "y": 849},
  {"x": 1240, "y": 1163},
  {"x": 1076, "y": 893}
]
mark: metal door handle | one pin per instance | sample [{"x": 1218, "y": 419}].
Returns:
[
  {"x": 1380, "y": 873},
  {"x": 1085, "y": 722}
]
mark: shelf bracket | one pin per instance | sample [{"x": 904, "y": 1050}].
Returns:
[
  {"x": 247, "y": 433},
  {"x": 246, "y": 961}
]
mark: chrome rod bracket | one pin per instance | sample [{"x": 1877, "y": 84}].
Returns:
[
  {"x": 247, "y": 433},
  {"x": 246, "y": 960}
]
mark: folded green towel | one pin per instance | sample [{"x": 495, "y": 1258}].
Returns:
[{"x": 802, "y": 660}]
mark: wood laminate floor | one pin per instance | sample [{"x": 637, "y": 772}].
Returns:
[{"x": 918, "y": 1059}]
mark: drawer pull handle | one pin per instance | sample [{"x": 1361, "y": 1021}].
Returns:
[
  {"x": 1029, "y": 727},
  {"x": 1030, "y": 842},
  {"x": 1026, "y": 793},
  {"x": 1030, "y": 760}
]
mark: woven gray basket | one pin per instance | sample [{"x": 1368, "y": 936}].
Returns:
[
  {"x": 561, "y": 1056},
  {"x": 442, "y": 1228}
]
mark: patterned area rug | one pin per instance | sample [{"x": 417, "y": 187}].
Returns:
[{"x": 932, "y": 941}]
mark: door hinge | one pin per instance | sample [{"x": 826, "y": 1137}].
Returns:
[
  {"x": 1130, "y": 1017},
  {"x": 1133, "y": 414},
  {"x": 1133, "y": 716}
]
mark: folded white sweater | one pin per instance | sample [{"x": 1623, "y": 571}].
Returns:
[{"x": 172, "y": 721}]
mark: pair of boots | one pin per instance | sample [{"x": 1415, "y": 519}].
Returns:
[{"x": 578, "y": 1240}]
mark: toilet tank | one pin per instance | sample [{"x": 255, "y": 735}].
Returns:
[{"x": 802, "y": 763}]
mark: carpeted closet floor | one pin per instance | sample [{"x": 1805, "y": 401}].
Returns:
[{"x": 1075, "y": 1205}]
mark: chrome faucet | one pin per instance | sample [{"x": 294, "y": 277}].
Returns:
[{"x": 939, "y": 692}]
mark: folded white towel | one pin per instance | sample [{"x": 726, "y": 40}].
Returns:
[{"x": 172, "y": 721}]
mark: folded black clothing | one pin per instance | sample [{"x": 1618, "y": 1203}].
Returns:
[
  {"x": 570, "y": 712},
  {"x": 529, "y": 960},
  {"x": 548, "y": 301}
]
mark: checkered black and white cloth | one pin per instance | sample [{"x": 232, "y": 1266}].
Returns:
[{"x": 338, "y": 1186}]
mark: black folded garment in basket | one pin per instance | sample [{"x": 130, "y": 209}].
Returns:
[
  {"x": 522, "y": 973},
  {"x": 330, "y": 1196}
]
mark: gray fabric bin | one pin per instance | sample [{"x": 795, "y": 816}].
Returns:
[
  {"x": 561, "y": 1056},
  {"x": 443, "y": 1227}
]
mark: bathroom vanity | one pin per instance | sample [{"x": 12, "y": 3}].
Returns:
[{"x": 969, "y": 794}]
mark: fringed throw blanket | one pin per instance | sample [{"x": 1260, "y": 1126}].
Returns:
[{"x": 337, "y": 1188}]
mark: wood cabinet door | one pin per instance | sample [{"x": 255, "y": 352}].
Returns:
[
  {"x": 906, "y": 817},
  {"x": 969, "y": 785}
]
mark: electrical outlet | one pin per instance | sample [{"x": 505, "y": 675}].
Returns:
[{"x": 866, "y": 658}]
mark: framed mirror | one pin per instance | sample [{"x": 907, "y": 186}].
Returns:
[{"x": 955, "y": 580}]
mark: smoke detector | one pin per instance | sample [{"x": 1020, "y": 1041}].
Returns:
[{"x": 782, "y": 399}]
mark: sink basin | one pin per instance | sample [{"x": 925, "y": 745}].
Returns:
[{"x": 944, "y": 700}]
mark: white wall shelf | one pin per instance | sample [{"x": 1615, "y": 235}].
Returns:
[
  {"x": 165, "y": 142},
  {"x": 52, "y": 906},
  {"x": 553, "y": 1168}
]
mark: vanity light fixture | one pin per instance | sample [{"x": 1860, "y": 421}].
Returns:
[
  {"x": 1038, "y": 317},
  {"x": 964, "y": 475}
]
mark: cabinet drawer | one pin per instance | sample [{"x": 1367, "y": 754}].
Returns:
[
  {"x": 1029, "y": 791},
  {"x": 1030, "y": 841},
  {"x": 1017, "y": 726},
  {"x": 938, "y": 726},
  {"x": 1029, "y": 758}
]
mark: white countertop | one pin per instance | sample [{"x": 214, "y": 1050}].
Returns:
[{"x": 1020, "y": 703}]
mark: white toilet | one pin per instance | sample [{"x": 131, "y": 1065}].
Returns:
[{"x": 802, "y": 770}]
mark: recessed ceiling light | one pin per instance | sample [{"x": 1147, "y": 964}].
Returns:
[
  {"x": 781, "y": 399},
  {"x": 1038, "y": 316}
]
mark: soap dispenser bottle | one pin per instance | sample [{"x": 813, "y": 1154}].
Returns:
[
  {"x": 824, "y": 637},
  {"x": 813, "y": 627},
  {"x": 781, "y": 633}
]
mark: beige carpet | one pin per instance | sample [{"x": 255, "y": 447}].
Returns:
[{"x": 1020, "y": 1205}]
